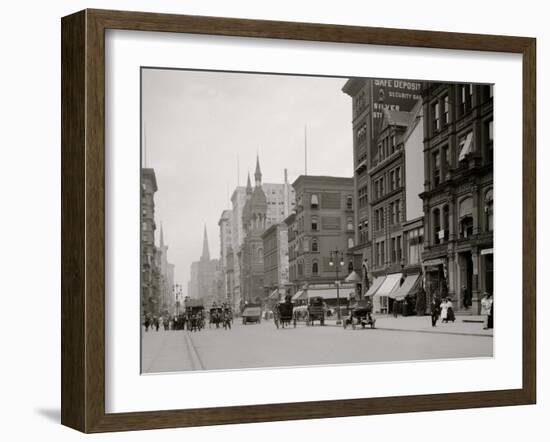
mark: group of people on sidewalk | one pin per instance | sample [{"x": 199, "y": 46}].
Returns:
[{"x": 444, "y": 310}]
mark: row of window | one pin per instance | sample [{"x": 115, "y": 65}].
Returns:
[
  {"x": 396, "y": 254},
  {"x": 394, "y": 182},
  {"x": 386, "y": 147},
  {"x": 315, "y": 267},
  {"x": 394, "y": 209},
  {"x": 314, "y": 201},
  {"x": 462, "y": 103},
  {"x": 441, "y": 219},
  {"x": 441, "y": 160}
]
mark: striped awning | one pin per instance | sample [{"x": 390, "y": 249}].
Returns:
[
  {"x": 409, "y": 285},
  {"x": 390, "y": 284},
  {"x": 300, "y": 295},
  {"x": 375, "y": 285}
]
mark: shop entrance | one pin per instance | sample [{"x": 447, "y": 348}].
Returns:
[{"x": 466, "y": 277}]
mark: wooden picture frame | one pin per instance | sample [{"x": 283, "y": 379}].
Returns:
[{"x": 83, "y": 220}]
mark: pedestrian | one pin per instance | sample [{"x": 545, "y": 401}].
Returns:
[
  {"x": 146, "y": 324},
  {"x": 395, "y": 308},
  {"x": 486, "y": 303},
  {"x": 444, "y": 310},
  {"x": 434, "y": 310},
  {"x": 450, "y": 311},
  {"x": 490, "y": 320}
]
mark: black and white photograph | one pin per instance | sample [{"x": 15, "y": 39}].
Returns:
[{"x": 305, "y": 220}]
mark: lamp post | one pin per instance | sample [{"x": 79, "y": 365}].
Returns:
[{"x": 337, "y": 260}]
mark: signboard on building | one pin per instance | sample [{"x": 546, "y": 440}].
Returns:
[{"x": 392, "y": 94}]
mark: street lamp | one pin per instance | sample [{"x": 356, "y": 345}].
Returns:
[{"x": 337, "y": 260}]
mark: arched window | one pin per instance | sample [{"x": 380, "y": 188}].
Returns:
[
  {"x": 350, "y": 223},
  {"x": 315, "y": 268},
  {"x": 350, "y": 243},
  {"x": 436, "y": 225},
  {"x": 314, "y": 245},
  {"x": 489, "y": 210},
  {"x": 314, "y": 201}
]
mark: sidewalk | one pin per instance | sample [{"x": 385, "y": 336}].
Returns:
[{"x": 463, "y": 325}]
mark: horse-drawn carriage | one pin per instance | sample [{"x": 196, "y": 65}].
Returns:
[
  {"x": 360, "y": 314},
  {"x": 194, "y": 314},
  {"x": 283, "y": 313}
]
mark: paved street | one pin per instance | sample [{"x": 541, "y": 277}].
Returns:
[{"x": 262, "y": 345}]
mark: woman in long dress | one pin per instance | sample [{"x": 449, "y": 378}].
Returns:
[{"x": 444, "y": 307}]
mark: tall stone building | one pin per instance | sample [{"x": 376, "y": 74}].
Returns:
[
  {"x": 280, "y": 202},
  {"x": 458, "y": 192},
  {"x": 167, "y": 299},
  {"x": 276, "y": 266},
  {"x": 323, "y": 223},
  {"x": 226, "y": 254},
  {"x": 370, "y": 97},
  {"x": 251, "y": 253},
  {"x": 150, "y": 272}
]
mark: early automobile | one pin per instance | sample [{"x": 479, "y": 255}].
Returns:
[
  {"x": 361, "y": 314},
  {"x": 252, "y": 313},
  {"x": 316, "y": 310}
]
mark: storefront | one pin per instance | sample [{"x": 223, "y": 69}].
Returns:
[
  {"x": 385, "y": 291},
  {"x": 405, "y": 295}
]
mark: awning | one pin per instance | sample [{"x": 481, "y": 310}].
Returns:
[
  {"x": 409, "y": 285},
  {"x": 466, "y": 147},
  {"x": 330, "y": 293},
  {"x": 375, "y": 285},
  {"x": 275, "y": 295},
  {"x": 299, "y": 296},
  {"x": 434, "y": 262},
  {"x": 353, "y": 277},
  {"x": 390, "y": 284}
]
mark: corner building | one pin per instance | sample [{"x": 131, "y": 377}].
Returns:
[{"x": 458, "y": 192}]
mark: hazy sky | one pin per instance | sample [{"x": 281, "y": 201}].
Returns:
[{"x": 198, "y": 125}]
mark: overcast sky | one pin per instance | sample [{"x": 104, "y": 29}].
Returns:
[{"x": 198, "y": 125}]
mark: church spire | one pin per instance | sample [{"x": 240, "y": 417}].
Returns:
[
  {"x": 258, "y": 173},
  {"x": 205, "y": 252},
  {"x": 248, "y": 185}
]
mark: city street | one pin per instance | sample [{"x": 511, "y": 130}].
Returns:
[{"x": 263, "y": 345}]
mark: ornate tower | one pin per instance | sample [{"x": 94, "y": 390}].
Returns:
[{"x": 205, "y": 251}]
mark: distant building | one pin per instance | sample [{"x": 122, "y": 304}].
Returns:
[
  {"x": 226, "y": 251},
  {"x": 458, "y": 192},
  {"x": 204, "y": 282},
  {"x": 150, "y": 272},
  {"x": 167, "y": 298},
  {"x": 276, "y": 274},
  {"x": 322, "y": 224}
]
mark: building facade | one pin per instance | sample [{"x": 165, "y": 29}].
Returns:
[
  {"x": 322, "y": 224},
  {"x": 167, "y": 298},
  {"x": 458, "y": 192},
  {"x": 370, "y": 97},
  {"x": 275, "y": 245},
  {"x": 150, "y": 272},
  {"x": 226, "y": 250},
  {"x": 280, "y": 201}
]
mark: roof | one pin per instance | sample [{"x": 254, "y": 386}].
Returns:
[{"x": 395, "y": 118}]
